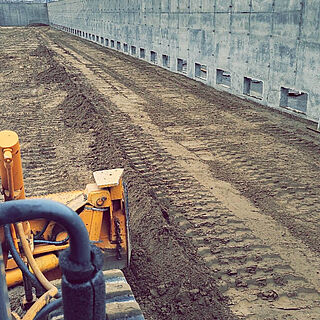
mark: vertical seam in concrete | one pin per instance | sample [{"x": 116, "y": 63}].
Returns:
[
  {"x": 298, "y": 43},
  {"x": 271, "y": 49},
  {"x": 230, "y": 16},
  {"x": 250, "y": 12},
  {"x": 214, "y": 15},
  {"x": 272, "y": 16},
  {"x": 230, "y": 32}
]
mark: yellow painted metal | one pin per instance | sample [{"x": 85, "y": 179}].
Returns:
[
  {"x": 100, "y": 207},
  {"x": 117, "y": 191},
  {"x": 10, "y": 157},
  {"x": 97, "y": 197},
  {"x": 93, "y": 222},
  {"x": 45, "y": 263}
]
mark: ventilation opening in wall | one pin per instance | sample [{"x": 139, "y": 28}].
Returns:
[
  {"x": 107, "y": 42},
  {"x": 253, "y": 88},
  {"x": 102, "y": 40},
  {"x": 182, "y": 65},
  {"x": 142, "y": 53},
  {"x": 87, "y": 35},
  {"x": 294, "y": 100},
  {"x": 125, "y": 47},
  {"x": 223, "y": 78},
  {"x": 201, "y": 71},
  {"x": 165, "y": 61},
  {"x": 112, "y": 43},
  {"x": 118, "y": 45},
  {"x": 97, "y": 38},
  {"x": 153, "y": 57},
  {"x": 133, "y": 50}
]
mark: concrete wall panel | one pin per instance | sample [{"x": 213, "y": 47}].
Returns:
[
  {"x": 223, "y": 5},
  {"x": 261, "y": 24},
  {"x": 262, "y": 6},
  {"x": 274, "y": 41},
  {"x": 241, "y": 6},
  {"x": 23, "y": 14}
]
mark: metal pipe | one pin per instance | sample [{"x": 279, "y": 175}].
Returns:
[
  {"x": 40, "y": 303},
  {"x": 7, "y": 155},
  {"x": 4, "y": 299},
  {"x": 32, "y": 262},
  {"x": 44, "y": 312},
  {"x": 18, "y": 259},
  {"x": 45, "y": 263},
  {"x": 22, "y": 210}
]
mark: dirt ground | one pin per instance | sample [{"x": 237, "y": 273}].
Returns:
[{"x": 223, "y": 192}]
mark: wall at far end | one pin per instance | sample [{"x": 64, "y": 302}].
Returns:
[
  {"x": 23, "y": 14},
  {"x": 265, "y": 50}
]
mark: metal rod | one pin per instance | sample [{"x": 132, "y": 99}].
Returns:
[
  {"x": 21, "y": 210},
  {"x": 5, "y": 313}
]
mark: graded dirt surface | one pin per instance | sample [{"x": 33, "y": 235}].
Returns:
[{"x": 223, "y": 192}]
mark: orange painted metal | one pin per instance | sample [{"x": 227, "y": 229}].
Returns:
[
  {"x": 10, "y": 162},
  {"x": 45, "y": 263}
]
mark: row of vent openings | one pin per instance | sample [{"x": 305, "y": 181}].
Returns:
[{"x": 289, "y": 98}]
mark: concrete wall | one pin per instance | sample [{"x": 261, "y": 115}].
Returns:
[
  {"x": 22, "y": 14},
  {"x": 264, "y": 50}
]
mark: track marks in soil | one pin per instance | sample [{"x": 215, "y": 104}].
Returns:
[
  {"x": 256, "y": 278},
  {"x": 66, "y": 131}
]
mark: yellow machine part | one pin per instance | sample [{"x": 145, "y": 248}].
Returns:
[
  {"x": 101, "y": 207},
  {"x": 10, "y": 165},
  {"x": 45, "y": 263}
]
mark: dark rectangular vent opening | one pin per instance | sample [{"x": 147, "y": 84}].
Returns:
[
  {"x": 165, "y": 61},
  {"x": 223, "y": 78},
  {"x": 182, "y": 65},
  {"x": 294, "y": 100},
  {"x": 112, "y": 43},
  {"x": 125, "y": 47},
  {"x": 142, "y": 53},
  {"x": 253, "y": 88},
  {"x": 118, "y": 45},
  {"x": 107, "y": 42},
  {"x": 133, "y": 50},
  {"x": 102, "y": 40},
  {"x": 201, "y": 71},
  {"x": 153, "y": 57}
]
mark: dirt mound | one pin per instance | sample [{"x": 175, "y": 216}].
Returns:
[
  {"x": 79, "y": 112},
  {"x": 37, "y": 25},
  {"x": 42, "y": 51},
  {"x": 168, "y": 279},
  {"x": 166, "y": 275},
  {"x": 53, "y": 74}
]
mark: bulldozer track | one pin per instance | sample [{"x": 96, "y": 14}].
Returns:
[{"x": 192, "y": 145}]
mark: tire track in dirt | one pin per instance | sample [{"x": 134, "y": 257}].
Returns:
[
  {"x": 284, "y": 176},
  {"x": 258, "y": 280},
  {"x": 29, "y": 107},
  {"x": 65, "y": 137}
]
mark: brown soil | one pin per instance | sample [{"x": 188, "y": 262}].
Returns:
[{"x": 223, "y": 192}]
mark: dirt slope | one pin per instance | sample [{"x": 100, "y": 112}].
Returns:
[{"x": 223, "y": 192}]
